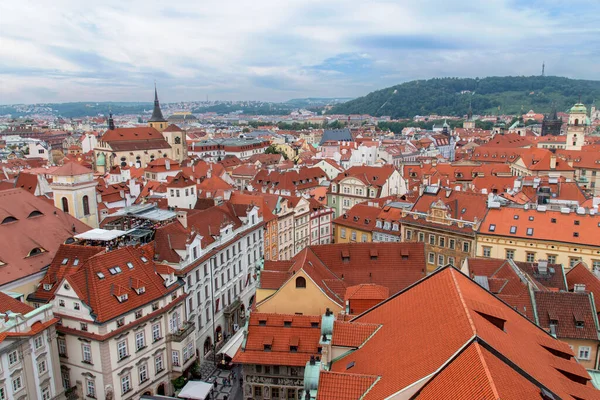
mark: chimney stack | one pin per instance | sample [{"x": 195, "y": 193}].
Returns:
[
  {"x": 167, "y": 164},
  {"x": 182, "y": 218},
  {"x": 553, "y": 161}
]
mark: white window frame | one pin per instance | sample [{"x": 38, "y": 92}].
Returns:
[
  {"x": 38, "y": 342},
  {"x": 122, "y": 349},
  {"x": 175, "y": 358},
  {"x": 90, "y": 388},
  {"x": 86, "y": 352},
  {"x": 587, "y": 349},
  {"x": 13, "y": 358},
  {"x": 158, "y": 361},
  {"x": 46, "y": 395},
  {"x": 143, "y": 370},
  {"x": 140, "y": 340},
  {"x": 156, "y": 332},
  {"x": 17, "y": 379},
  {"x": 42, "y": 366},
  {"x": 125, "y": 384}
]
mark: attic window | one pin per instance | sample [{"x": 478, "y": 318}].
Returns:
[
  {"x": 349, "y": 365},
  {"x": 300, "y": 282},
  {"x": 529, "y": 231},
  {"x": 8, "y": 220},
  {"x": 404, "y": 254},
  {"x": 287, "y": 323},
  {"x": 293, "y": 349},
  {"x": 130, "y": 265},
  {"x": 35, "y": 251},
  {"x": 513, "y": 229},
  {"x": 575, "y": 234},
  {"x": 64, "y": 261},
  {"x": 100, "y": 275},
  {"x": 114, "y": 270},
  {"x": 531, "y": 217},
  {"x": 492, "y": 228},
  {"x": 144, "y": 259},
  {"x": 373, "y": 254},
  {"x": 553, "y": 220},
  {"x": 579, "y": 324},
  {"x": 314, "y": 324},
  {"x": 47, "y": 286},
  {"x": 496, "y": 321},
  {"x": 516, "y": 216},
  {"x": 122, "y": 297},
  {"x": 267, "y": 347},
  {"x": 120, "y": 322},
  {"x": 34, "y": 213},
  {"x": 262, "y": 322},
  {"x": 76, "y": 262},
  {"x": 576, "y": 222},
  {"x": 345, "y": 255}
]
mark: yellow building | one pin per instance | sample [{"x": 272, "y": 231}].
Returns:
[
  {"x": 286, "y": 149},
  {"x": 356, "y": 224},
  {"x": 561, "y": 237},
  {"x": 74, "y": 192}
]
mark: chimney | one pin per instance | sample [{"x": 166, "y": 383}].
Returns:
[
  {"x": 579, "y": 287},
  {"x": 182, "y": 218},
  {"x": 543, "y": 267},
  {"x": 553, "y": 161},
  {"x": 167, "y": 164}
]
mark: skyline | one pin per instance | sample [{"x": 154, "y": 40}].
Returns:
[{"x": 275, "y": 51}]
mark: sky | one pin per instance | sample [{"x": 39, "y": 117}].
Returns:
[{"x": 275, "y": 50}]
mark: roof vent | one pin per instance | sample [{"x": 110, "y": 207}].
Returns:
[{"x": 579, "y": 287}]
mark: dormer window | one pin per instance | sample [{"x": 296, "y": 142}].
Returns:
[
  {"x": 123, "y": 297},
  {"x": 47, "y": 286},
  {"x": 262, "y": 322},
  {"x": 140, "y": 290},
  {"x": 120, "y": 322},
  {"x": 293, "y": 349}
]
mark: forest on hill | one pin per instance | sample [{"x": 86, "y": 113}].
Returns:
[{"x": 452, "y": 96}]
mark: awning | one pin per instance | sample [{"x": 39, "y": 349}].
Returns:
[
  {"x": 233, "y": 344},
  {"x": 196, "y": 390},
  {"x": 100, "y": 234}
]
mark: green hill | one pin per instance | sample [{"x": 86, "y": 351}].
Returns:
[{"x": 451, "y": 96}]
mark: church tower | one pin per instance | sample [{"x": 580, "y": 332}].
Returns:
[
  {"x": 157, "y": 121},
  {"x": 576, "y": 127},
  {"x": 469, "y": 123},
  {"x": 74, "y": 191}
]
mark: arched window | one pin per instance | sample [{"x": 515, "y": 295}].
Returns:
[
  {"x": 86, "y": 205},
  {"x": 65, "y": 204},
  {"x": 177, "y": 140},
  {"x": 300, "y": 282},
  {"x": 576, "y": 121}
]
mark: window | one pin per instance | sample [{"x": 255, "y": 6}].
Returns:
[
  {"x": 275, "y": 393},
  {"x": 258, "y": 391},
  {"x": 42, "y": 367},
  {"x": 510, "y": 254},
  {"x": 431, "y": 258},
  {"x": 451, "y": 244},
  {"x": 451, "y": 261},
  {"x": 138, "y": 314},
  {"x": 86, "y": 205},
  {"x": 595, "y": 265},
  {"x": 13, "y": 358},
  {"x": 122, "y": 349},
  {"x": 90, "y": 388},
  {"x": 61, "y": 303},
  {"x": 158, "y": 363},
  {"x": 492, "y": 228},
  {"x": 408, "y": 234},
  {"x": 530, "y": 257},
  {"x": 343, "y": 233},
  {"x": 573, "y": 261},
  {"x": 86, "y": 351},
  {"x": 140, "y": 340},
  {"x": 440, "y": 259},
  {"x": 421, "y": 237},
  {"x": 38, "y": 342},
  {"x": 551, "y": 258},
  {"x": 353, "y": 238},
  {"x": 76, "y": 306},
  {"x": 62, "y": 347},
  {"x": 529, "y": 231},
  {"x": 65, "y": 204},
  {"x": 175, "y": 357},
  {"x": 125, "y": 384},
  {"x": 66, "y": 379},
  {"x": 17, "y": 384},
  {"x": 442, "y": 241},
  {"x": 83, "y": 326},
  {"x": 584, "y": 352},
  {"x": 120, "y": 322},
  {"x": 46, "y": 393},
  {"x": 364, "y": 237},
  {"x": 466, "y": 247},
  {"x": 155, "y": 332},
  {"x": 143, "y": 373}
]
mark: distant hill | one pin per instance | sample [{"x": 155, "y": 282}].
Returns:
[{"x": 450, "y": 96}]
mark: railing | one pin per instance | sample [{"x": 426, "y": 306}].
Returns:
[{"x": 185, "y": 329}]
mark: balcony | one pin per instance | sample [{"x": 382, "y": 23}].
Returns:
[{"x": 183, "y": 332}]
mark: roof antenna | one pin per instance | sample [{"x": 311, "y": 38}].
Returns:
[{"x": 543, "y": 68}]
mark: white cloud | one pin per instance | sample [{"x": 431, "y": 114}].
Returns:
[{"x": 272, "y": 49}]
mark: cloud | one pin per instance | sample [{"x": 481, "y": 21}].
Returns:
[{"x": 272, "y": 50}]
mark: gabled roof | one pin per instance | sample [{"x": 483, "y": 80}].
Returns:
[
  {"x": 142, "y": 133},
  {"x": 449, "y": 301},
  {"x": 370, "y": 176},
  {"x": 26, "y": 181},
  {"x": 99, "y": 292}
]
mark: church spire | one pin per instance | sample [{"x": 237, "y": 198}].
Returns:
[
  {"x": 157, "y": 115},
  {"x": 111, "y": 122},
  {"x": 470, "y": 111}
]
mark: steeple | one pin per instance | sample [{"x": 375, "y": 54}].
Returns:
[
  {"x": 157, "y": 115},
  {"x": 470, "y": 112},
  {"x": 111, "y": 122}
]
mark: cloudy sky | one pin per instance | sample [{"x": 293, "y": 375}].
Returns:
[{"x": 62, "y": 50}]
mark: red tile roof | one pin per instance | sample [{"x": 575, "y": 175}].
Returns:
[
  {"x": 273, "y": 331},
  {"x": 567, "y": 308},
  {"x": 28, "y": 222},
  {"x": 99, "y": 293},
  {"x": 371, "y": 176},
  {"x": 360, "y": 216},
  {"x": 26, "y": 181},
  {"x": 564, "y": 229},
  {"x": 348, "y": 334},
  {"x": 337, "y": 386},
  {"x": 580, "y": 274},
  {"x": 464, "y": 312},
  {"x": 7, "y": 303},
  {"x": 72, "y": 169}
]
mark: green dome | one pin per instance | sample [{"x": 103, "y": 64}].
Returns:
[{"x": 578, "y": 109}]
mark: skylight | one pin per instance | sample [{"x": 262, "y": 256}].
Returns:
[
  {"x": 130, "y": 265},
  {"x": 513, "y": 229},
  {"x": 64, "y": 261},
  {"x": 492, "y": 227},
  {"x": 76, "y": 261},
  {"x": 144, "y": 259},
  {"x": 529, "y": 231},
  {"x": 100, "y": 275}
]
